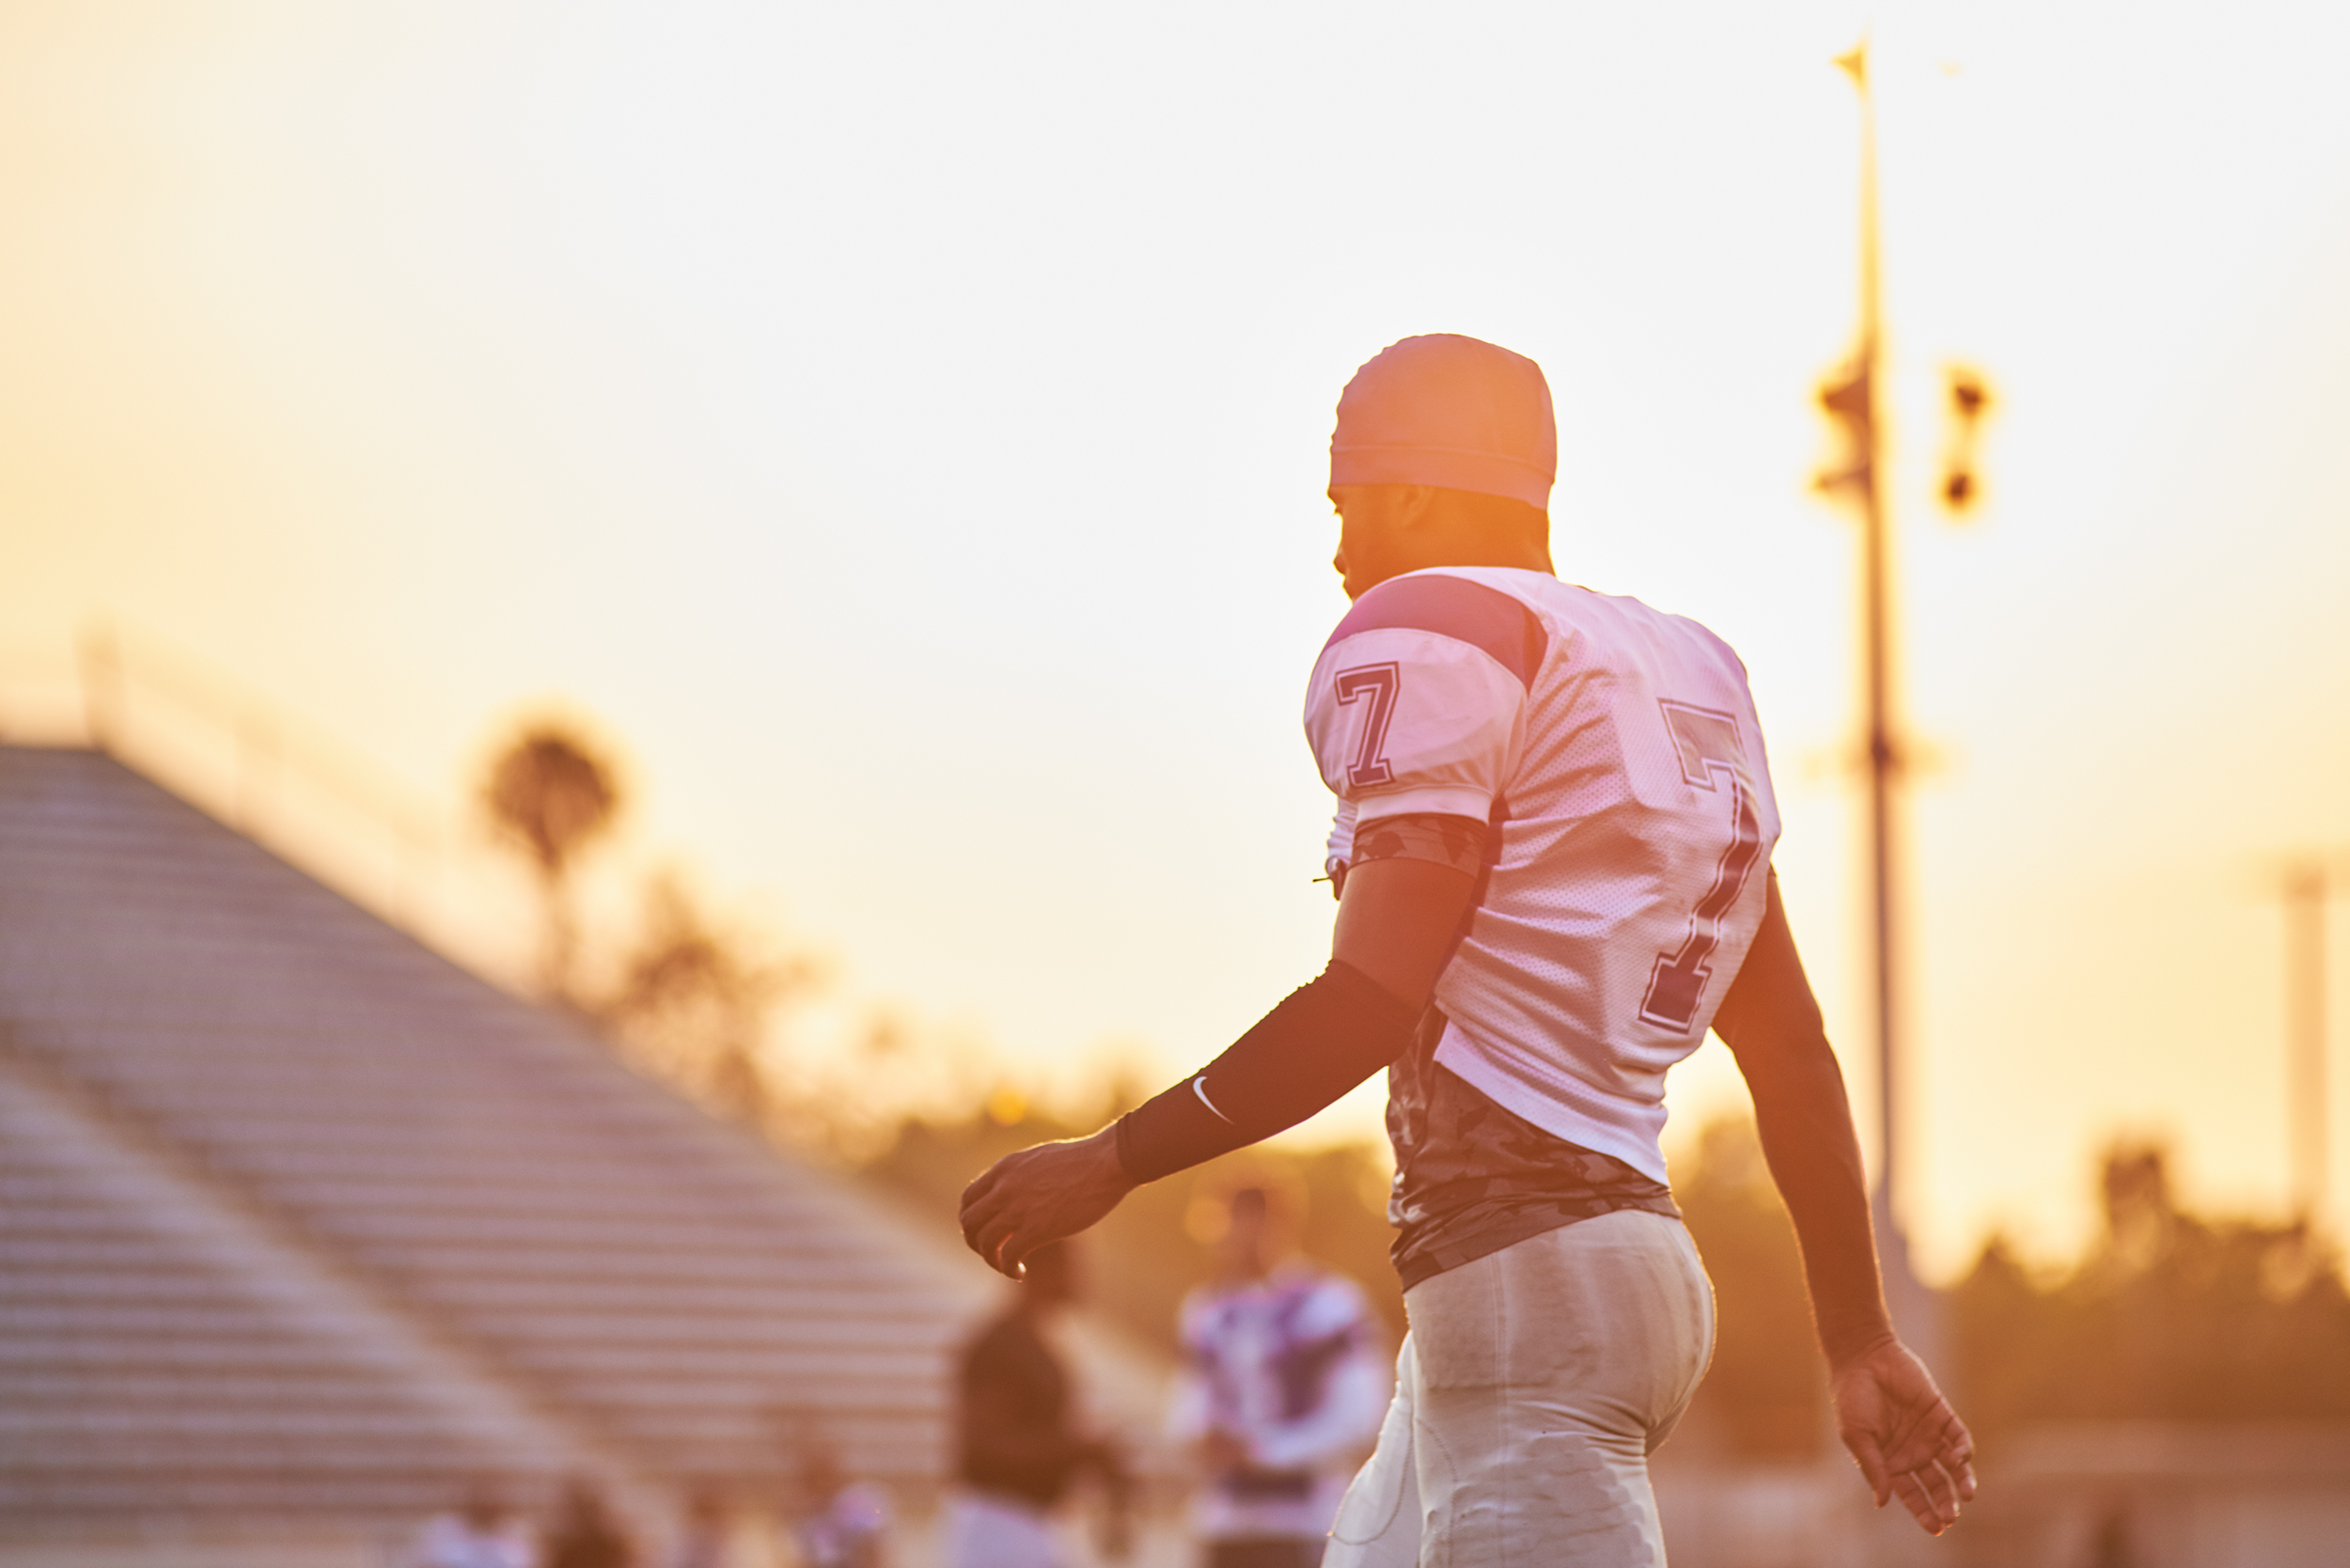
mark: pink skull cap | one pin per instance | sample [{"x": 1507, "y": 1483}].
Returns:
[{"x": 1452, "y": 411}]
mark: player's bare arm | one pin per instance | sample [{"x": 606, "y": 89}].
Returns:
[
  {"x": 1395, "y": 926},
  {"x": 1903, "y": 1434}
]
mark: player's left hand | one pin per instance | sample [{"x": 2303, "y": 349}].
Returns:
[
  {"x": 1907, "y": 1440},
  {"x": 1041, "y": 1194}
]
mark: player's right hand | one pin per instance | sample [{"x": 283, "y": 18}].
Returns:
[
  {"x": 1041, "y": 1194},
  {"x": 1907, "y": 1440}
]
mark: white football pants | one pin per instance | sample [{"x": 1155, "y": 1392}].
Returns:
[{"x": 1533, "y": 1385}]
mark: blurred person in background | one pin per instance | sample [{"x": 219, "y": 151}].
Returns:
[
  {"x": 708, "y": 1539},
  {"x": 1552, "y": 853},
  {"x": 838, "y": 1523},
  {"x": 585, "y": 1534},
  {"x": 1282, "y": 1390},
  {"x": 1019, "y": 1447},
  {"x": 483, "y": 1533}
]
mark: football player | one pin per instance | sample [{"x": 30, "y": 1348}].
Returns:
[{"x": 1553, "y": 857}]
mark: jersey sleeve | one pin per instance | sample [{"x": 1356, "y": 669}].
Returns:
[
  {"x": 1337, "y": 851},
  {"x": 1418, "y": 702}
]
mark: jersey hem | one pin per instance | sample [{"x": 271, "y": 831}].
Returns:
[
  {"x": 1508, "y": 1229},
  {"x": 1640, "y": 1150}
]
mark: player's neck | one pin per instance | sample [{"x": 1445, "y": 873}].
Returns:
[
  {"x": 1522, "y": 557},
  {"x": 1517, "y": 555}
]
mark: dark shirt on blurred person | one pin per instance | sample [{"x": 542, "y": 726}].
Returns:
[
  {"x": 1018, "y": 1445},
  {"x": 1016, "y": 1435},
  {"x": 585, "y": 1534}
]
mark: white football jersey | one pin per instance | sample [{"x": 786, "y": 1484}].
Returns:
[{"x": 1615, "y": 752}]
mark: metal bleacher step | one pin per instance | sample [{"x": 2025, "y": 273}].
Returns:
[{"x": 296, "y": 1214}]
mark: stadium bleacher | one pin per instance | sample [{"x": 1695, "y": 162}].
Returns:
[{"x": 299, "y": 1220}]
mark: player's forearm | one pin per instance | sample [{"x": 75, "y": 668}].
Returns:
[
  {"x": 1395, "y": 927},
  {"x": 1807, "y": 1132},
  {"x": 1320, "y": 1042},
  {"x": 1771, "y": 1022}
]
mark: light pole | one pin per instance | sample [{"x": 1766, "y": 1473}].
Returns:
[
  {"x": 1851, "y": 397},
  {"x": 2305, "y": 1034}
]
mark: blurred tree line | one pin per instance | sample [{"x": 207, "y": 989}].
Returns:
[{"x": 2167, "y": 1314}]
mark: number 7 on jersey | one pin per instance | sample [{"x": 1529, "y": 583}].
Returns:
[
  {"x": 1707, "y": 744},
  {"x": 1374, "y": 686}
]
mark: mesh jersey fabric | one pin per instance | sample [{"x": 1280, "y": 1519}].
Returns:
[{"x": 1615, "y": 751}]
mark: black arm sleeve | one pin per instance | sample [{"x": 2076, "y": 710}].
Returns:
[{"x": 1323, "y": 1039}]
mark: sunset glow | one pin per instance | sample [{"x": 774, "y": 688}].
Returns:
[{"x": 906, "y": 427}]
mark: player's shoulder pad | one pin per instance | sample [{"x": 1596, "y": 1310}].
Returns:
[
  {"x": 1504, "y": 627},
  {"x": 1719, "y": 644}
]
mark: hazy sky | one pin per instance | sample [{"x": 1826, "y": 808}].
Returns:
[{"x": 905, "y": 427}]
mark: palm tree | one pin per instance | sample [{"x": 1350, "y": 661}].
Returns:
[
  {"x": 693, "y": 1005},
  {"x": 552, "y": 793}
]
